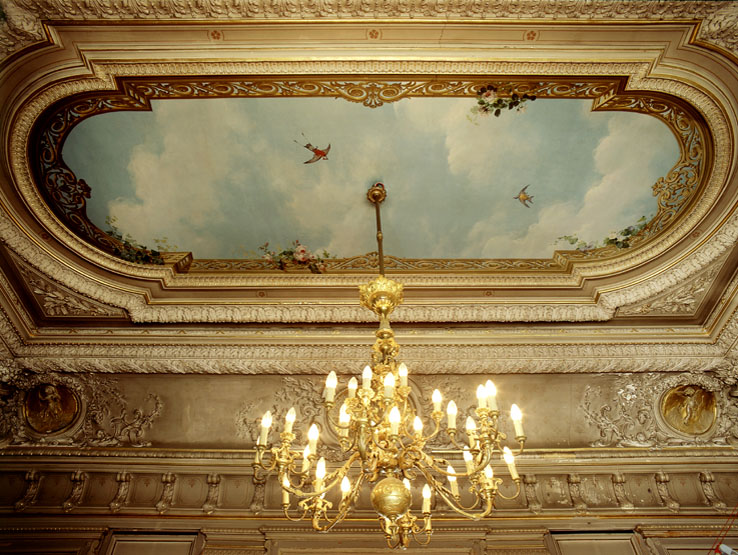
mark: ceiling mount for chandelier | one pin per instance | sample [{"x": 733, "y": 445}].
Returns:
[{"x": 381, "y": 435}]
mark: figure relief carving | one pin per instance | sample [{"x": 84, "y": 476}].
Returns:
[
  {"x": 645, "y": 410},
  {"x": 50, "y": 408}
]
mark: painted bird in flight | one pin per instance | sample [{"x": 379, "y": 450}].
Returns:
[
  {"x": 524, "y": 197},
  {"x": 318, "y": 154}
]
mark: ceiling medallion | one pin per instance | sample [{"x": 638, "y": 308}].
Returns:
[{"x": 381, "y": 435}]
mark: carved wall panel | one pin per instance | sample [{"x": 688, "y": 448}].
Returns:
[{"x": 76, "y": 410}]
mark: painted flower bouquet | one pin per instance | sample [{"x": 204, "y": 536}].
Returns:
[
  {"x": 489, "y": 102},
  {"x": 621, "y": 239},
  {"x": 297, "y": 255}
]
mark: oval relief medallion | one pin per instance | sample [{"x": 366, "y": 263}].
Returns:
[
  {"x": 689, "y": 409},
  {"x": 50, "y": 408}
]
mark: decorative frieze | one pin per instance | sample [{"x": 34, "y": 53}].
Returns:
[{"x": 50, "y": 408}]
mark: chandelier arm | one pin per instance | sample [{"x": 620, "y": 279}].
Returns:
[
  {"x": 286, "y": 509},
  {"x": 345, "y": 505},
  {"x": 517, "y": 490},
  {"x": 426, "y": 529},
  {"x": 453, "y": 503},
  {"x": 340, "y": 473}
]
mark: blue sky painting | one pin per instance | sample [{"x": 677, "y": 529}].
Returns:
[{"x": 220, "y": 177}]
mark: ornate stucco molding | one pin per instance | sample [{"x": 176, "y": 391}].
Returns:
[
  {"x": 140, "y": 311},
  {"x": 47, "y": 408}
]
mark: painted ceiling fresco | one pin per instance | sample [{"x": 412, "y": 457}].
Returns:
[{"x": 221, "y": 177}]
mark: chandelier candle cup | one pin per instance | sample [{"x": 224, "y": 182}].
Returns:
[{"x": 380, "y": 447}]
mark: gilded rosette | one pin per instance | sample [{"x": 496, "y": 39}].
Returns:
[{"x": 381, "y": 295}]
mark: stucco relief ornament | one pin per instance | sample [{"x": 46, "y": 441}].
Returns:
[
  {"x": 655, "y": 410},
  {"x": 57, "y": 409}
]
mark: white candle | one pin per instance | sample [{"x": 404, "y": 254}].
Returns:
[
  {"x": 426, "y": 499},
  {"x": 352, "y": 385},
  {"x": 436, "y": 398},
  {"x": 488, "y": 475},
  {"x": 289, "y": 420},
  {"x": 481, "y": 396},
  {"x": 517, "y": 418},
  {"x": 319, "y": 474},
  {"x": 491, "y": 395},
  {"x": 366, "y": 378},
  {"x": 451, "y": 412},
  {"x": 471, "y": 432},
  {"x": 266, "y": 423},
  {"x": 394, "y": 418},
  {"x": 418, "y": 426},
  {"x": 345, "y": 487},
  {"x": 389, "y": 386},
  {"x": 402, "y": 371},
  {"x": 313, "y": 434},
  {"x": 305, "y": 460},
  {"x": 407, "y": 484},
  {"x": 510, "y": 460},
  {"x": 468, "y": 461},
  {"x": 330, "y": 387},
  {"x": 344, "y": 418},
  {"x": 285, "y": 493},
  {"x": 452, "y": 481}
]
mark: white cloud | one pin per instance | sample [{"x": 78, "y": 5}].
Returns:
[
  {"x": 174, "y": 187},
  {"x": 624, "y": 158}
]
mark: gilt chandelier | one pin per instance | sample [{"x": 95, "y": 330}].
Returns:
[{"x": 382, "y": 438}]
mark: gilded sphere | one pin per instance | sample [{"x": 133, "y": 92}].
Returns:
[{"x": 391, "y": 498}]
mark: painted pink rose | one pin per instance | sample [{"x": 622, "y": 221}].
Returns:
[{"x": 301, "y": 253}]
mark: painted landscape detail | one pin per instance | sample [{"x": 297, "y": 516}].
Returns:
[{"x": 221, "y": 177}]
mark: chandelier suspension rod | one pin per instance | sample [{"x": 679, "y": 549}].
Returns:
[{"x": 376, "y": 196}]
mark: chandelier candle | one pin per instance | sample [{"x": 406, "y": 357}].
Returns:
[{"x": 383, "y": 433}]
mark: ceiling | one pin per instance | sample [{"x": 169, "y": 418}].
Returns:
[
  {"x": 578, "y": 244},
  {"x": 628, "y": 238}
]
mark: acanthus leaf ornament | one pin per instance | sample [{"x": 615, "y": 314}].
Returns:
[{"x": 382, "y": 438}]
